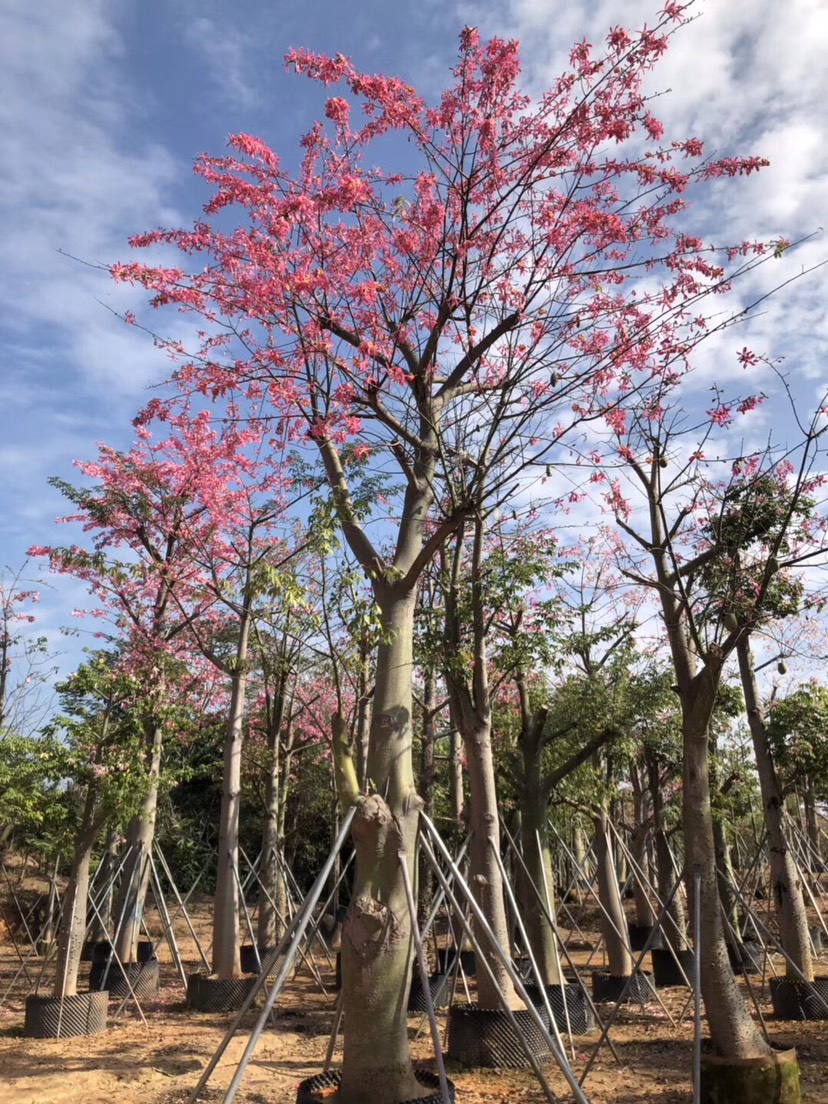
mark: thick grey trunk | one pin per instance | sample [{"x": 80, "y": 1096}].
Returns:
[
  {"x": 786, "y": 883},
  {"x": 273, "y": 893},
  {"x": 674, "y": 922},
  {"x": 613, "y": 923},
  {"x": 376, "y": 936},
  {"x": 645, "y": 915}
]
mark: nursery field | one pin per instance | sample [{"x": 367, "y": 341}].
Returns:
[{"x": 160, "y": 1062}]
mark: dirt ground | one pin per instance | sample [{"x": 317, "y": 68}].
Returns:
[{"x": 159, "y": 1061}]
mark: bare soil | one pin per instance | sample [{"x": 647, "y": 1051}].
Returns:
[{"x": 157, "y": 1057}]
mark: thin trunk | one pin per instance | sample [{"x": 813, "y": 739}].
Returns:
[
  {"x": 785, "y": 879},
  {"x": 674, "y": 922},
  {"x": 484, "y": 874},
  {"x": 645, "y": 915},
  {"x": 613, "y": 923},
  {"x": 100, "y": 926},
  {"x": 812, "y": 827},
  {"x": 129, "y": 904},
  {"x": 456, "y": 794},
  {"x": 225, "y": 961},
  {"x": 75, "y": 902},
  {"x": 428, "y": 777},
  {"x": 269, "y": 926}
]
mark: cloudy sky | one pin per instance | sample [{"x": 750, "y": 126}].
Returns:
[{"x": 105, "y": 103}]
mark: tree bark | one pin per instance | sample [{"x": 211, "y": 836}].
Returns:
[
  {"x": 75, "y": 901},
  {"x": 225, "y": 961},
  {"x": 129, "y": 903},
  {"x": 376, "y": 935},
  {"x": 613, "y": 922},
  {"x": 786, "y": 883}
]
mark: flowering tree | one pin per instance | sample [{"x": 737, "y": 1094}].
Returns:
[
  {"x": 714, "y": 568},
  {"x": 490, "y": 284},
  {"x": 146, "y": 513}
]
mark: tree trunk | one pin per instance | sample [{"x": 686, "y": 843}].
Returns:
[
  {"x": 484, "y": 873},
  {"x": 613, "y": 922},
  {"x": 732, "y": 1030},
  {"x": 225, "y": 961},
  {"x": 75, "y": 901},
  {"x": 812, "y": 828},
  {"x": 786, "y": 883},
  {"x": 456, "y": 794},
  {"x": 674, "y": 922},
  {"x": 100, "y": 926},
  {"x": 645, "y": 915},
  {"x": 129, "y": 904},
  {"x": 428, "y": 776},
  {"x": 272, "y": 893},
  {"x": 376, "y": 936}
]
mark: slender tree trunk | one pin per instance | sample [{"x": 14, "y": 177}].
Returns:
[
  {"x": 456, "y": 794},
  {"x": 786, "y": 883},
  {"x": 75, "y": 901},
  {"x": 272, "y": 892},
  {"x": 613, "y": 921},
  {"x": 812, "y": 827},
  {"x": 484, "y": 873},
  {"x": 100, "y": 926},
  {"x": 428, "y": 777},
  {"x": 645, "y": 915},
  {"x": 674, "y": 922},
  {"x": 226, "y": 904},
  {"x": 129, "y": 903}
]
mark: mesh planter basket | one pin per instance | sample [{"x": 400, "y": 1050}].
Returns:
[
  {"x": 144, "y": 977},
  {"x": 56, "y": 1018},
  {"x": 438, "y": 985},
  {"x": 249, "y": 965},
  {"x": 667, "y": 971},
  {"x": 581, "y": 1019},
  {"x": 318, "y": 1089},
  {"x": 209, "y": 994},
  {"x": 639, "y": 934},
  {"x": 797, "y": 1000},
  {"x": 447, "y": 960},
  {"x": 746, "y": 958},
  {"x": 609, "y": 987},
  {"x": 483, "y": 1038}
]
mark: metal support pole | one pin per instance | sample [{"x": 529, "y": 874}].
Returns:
[
  {"x": 421, "y": 962},
  {"x": 697, "y": 989}
]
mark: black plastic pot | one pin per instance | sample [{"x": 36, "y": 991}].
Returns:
[
  {"x": 250, "y": 965},
  {"x": 144, "y": 977},
  {"x": 639, "y": 934},
  {"x": 483, "y": 1038},
  {"x": 746, "y": 958},
  {"x": 798, "y": 1000},
  {"x": 145, "y": 951},
  {"x": 438, "y": 985},
  {"x": 447, "y": 958},
  {"x": 609, "y": 987},
  {"x": 667, "y": 971},
  {"x": 770, "y": 1080},
  {"x": 209, "y": 994},
  {"x": 56, "y": 1018},
  {"x": 316, "y": 1090},
  {"x": 581, "y": 1019}
]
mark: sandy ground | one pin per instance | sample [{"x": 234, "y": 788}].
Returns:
[{"x": 160, "y": 1061}]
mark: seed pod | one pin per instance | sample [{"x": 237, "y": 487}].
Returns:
[{"x": 782, "y": 667}]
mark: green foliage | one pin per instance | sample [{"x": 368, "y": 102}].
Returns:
[
  {"x": 798, "y": 733},
  {"x": 35, "y": 809}
]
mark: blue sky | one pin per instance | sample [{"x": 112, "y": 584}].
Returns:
[{"x": 104, "y": 104}]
